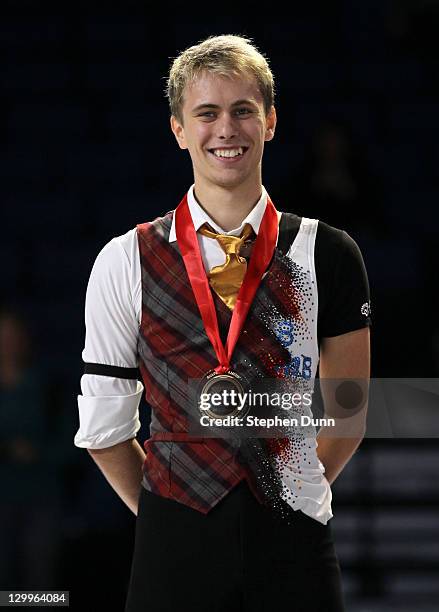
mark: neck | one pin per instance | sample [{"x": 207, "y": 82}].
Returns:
[{"x": 228, "y": 207}]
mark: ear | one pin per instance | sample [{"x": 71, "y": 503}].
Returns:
[
  {"x": 271, "y": 121},
  {"x": 178, "y": 131}
]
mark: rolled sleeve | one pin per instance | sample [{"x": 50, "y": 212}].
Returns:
[{"x": 108, "y": 420}]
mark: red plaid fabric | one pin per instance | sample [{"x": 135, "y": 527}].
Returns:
[{"x": 174, "y": 348}]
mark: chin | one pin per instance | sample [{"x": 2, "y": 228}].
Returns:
[
  {"x": 228, "y": 183},
  {"x": 230, "y": 179}
]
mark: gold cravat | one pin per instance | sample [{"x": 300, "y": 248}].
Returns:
[{"x": 226, "y": 280}]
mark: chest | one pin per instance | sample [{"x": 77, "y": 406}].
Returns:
[{"x": 278, "y": 335}]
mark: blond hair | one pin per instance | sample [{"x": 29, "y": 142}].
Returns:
[{"x": 226, "y": 55}]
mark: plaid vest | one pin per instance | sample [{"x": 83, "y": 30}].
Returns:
[{"x": 173, "y": 348}]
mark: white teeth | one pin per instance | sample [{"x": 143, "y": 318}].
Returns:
[{"x": 228, "y": 152}]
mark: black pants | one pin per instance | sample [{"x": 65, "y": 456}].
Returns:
[{"x": 238, "y": 557}]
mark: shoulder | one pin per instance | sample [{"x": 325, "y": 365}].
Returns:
[
  {"x": 330, "y": 241},
  {"x": 120, "y": 248},
  {"x": 335, "y": 242},
  {"x": 114, "y": 278},
  {"x": 116, "y": 261},
  {"x": 329, "y": 236}
]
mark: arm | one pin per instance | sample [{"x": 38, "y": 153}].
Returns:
[
  {"x": 122, "y": 467},
  {"x": 342, "y": 357},
  {"x": 109, "y": 404}
]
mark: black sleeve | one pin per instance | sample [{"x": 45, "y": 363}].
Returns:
[{"x": 343, "y": 286}]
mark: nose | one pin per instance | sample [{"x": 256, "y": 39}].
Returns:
[{"x": 226, "y": 126}]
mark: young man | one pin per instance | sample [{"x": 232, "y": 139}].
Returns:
[{"x": 223, "y": 288}]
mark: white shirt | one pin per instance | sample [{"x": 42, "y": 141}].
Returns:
[{"x": 109, "y": 407}]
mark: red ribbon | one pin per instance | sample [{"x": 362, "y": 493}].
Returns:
[{"x": 262, "y": 253}]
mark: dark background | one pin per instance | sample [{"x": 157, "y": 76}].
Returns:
[{"x": 87, "y": 152}]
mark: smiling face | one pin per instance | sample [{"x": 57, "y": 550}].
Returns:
[{"x": 224, "y": 128}]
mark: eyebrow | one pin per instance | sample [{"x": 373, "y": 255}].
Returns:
[{"x": 215, "y": 106}]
